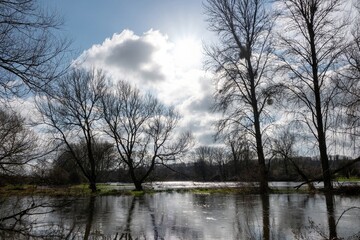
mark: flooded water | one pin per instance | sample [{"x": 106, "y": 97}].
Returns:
[
  {"x": 196, "y": 216},
  {"x": 190, "y": 184}
]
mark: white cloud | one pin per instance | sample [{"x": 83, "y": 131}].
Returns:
[
  {"x": 129, "y": 56},
  {"x": 170, "y": 69}
]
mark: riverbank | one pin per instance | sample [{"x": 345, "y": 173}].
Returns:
[{"x": 105, "y": 189}]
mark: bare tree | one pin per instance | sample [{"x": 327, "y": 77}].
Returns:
[
  {"x": 239, "y": 148},
  {"x": 143, "y": 130},
  {"x": 221, "y": 158},
  {"x": 203, "y": 156},
  {"x": 348, "y": 81},
  {"x": 18, "y": 144},
  {"x": 31, "y": 51},
  {"x": 283, "y": 146},
  {"x": 312, "y": 40},
  {"x": 71, "y": 113},
  {"x": 241, "y": 66}
]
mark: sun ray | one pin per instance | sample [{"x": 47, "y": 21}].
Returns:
[{"x": 187, "y": 52}]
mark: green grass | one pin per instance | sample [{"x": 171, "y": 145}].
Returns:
[
  {"x": 77, "y": 190},
  {"x": 345, "y": 179}
]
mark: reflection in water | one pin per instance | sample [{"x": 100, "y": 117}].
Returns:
[
  {"x": 127, "y": 232},
  {"x": 201, "y": 216},
  {"x": 265, "y": 216},
  {"x": 91, "y": 208},
  {"x": 331, "y": 215}
]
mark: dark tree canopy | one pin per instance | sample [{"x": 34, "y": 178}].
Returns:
[{"x": 65, "y": 167}]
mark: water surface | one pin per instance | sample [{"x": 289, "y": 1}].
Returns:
[{"x": 201, "y": 216}]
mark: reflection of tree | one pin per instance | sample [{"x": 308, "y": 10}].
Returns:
[
  {"x": 76, "y": 220},
  {"x": 185, "y": 216},
  {"x": 90, "y": 217},
  {"x": 297, "y": 205},
  {"x": 265, "y": 216},
  {"x": 317, "y": 229},
  {"x": 20, "y": 217},
  {"x": 247, "y": 210},
  {"x": 144, "y": 205},
  {"x": 127, "y": 232},
  {"x": 331, "y": 215}
]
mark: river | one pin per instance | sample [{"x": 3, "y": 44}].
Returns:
[{"x": 187, "y": 215}]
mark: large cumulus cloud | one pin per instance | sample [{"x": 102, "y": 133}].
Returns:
[
  {"x": 129, "y": 55},
  {"x": 149, "y": 61}
]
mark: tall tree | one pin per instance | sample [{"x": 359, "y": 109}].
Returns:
[
  {"x": 71, "y": 113},
  {"x": 241, "y": 65},
  {"x": 143, "y": 130},
  {"x": 312, "y": 40},
  {"x": 31, "y": 51}
]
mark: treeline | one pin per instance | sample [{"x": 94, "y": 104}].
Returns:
[{"x": 65, "y": 172}]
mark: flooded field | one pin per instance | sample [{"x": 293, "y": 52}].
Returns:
[{"x": 174, "y": 215}]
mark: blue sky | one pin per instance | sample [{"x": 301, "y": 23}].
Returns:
[{"x": 89, "y": 22}]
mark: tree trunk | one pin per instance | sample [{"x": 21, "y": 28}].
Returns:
[
  {"x": 331, "y": 215},
  {"x": 265, "y": 216},
  {"x": 264, "y": 186},
  {"x": 319, "y": 115},
  {"x": 92, "y": 186},
  {"x": 90, "y": 218},
  {"x": 321, "y": 137},
  {"x": 138, "y": 185}
]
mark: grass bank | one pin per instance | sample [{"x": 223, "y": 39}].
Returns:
[{"x": 111, "y": 190}]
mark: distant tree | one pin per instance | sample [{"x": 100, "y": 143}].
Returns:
[
  {"x": 240, "y": 153},
  {"x": 241, "y": 65},
  {"x": 17, "y": 218},
  {"x": 143, "y": 130},
  {"x": 18, "y": 144},
  {"x": 65, "y": 164},
  {"x": 64, "y": 170},
  {"x": 203, "y": 156},
  {"x": 283, "y": 147},
  {"x": 312, "y": 39},
  {"x": 221, "y": 158},
  {"x": 71, "y": 114},
  {"x": 31, "y": 52}
]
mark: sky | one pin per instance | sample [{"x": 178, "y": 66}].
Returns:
[{"x": 156, "y": 45}]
